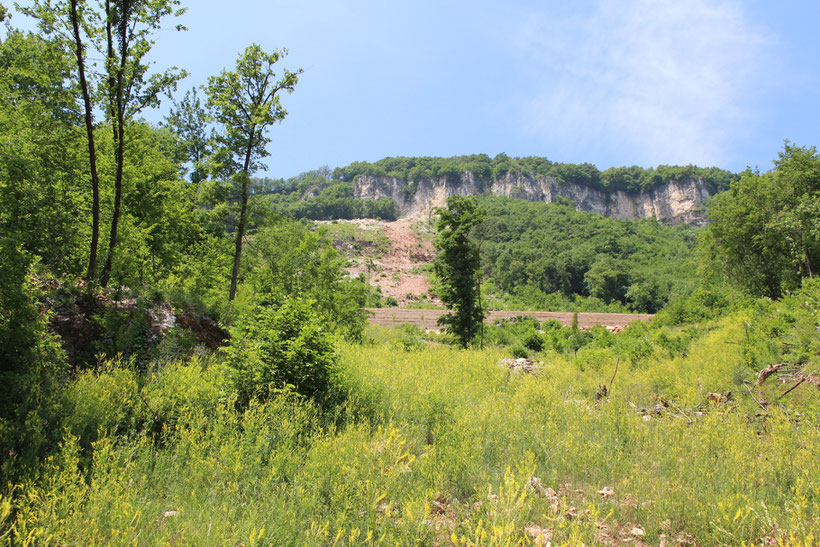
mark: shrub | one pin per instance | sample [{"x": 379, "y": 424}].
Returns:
[
  {"x": 280, "y": 349},
  {"x": 519, "y": 352},
  {"x": 533, "y": 340},
  {"x": 411, "y": 338}
]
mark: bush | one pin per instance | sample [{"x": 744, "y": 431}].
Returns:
[
  {"x": 533, "y": 340},
  {"x": 519, "y": 352},
  {"x": 280, "y": 349},
  {"x": 410, "y": 339}
]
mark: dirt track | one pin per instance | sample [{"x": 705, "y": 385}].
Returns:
[{"x": 426, "y": 319}]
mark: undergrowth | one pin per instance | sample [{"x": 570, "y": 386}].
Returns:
[{"x": 439, "y": 446}]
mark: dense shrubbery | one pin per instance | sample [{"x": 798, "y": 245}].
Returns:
[
  {"x": 32, "y": 368},
  {"x": 280, "y": 349}
]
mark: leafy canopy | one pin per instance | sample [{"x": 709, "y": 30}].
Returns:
[
  {"x": 458, "y": 266},
  {"x": 765, "y": 234}
]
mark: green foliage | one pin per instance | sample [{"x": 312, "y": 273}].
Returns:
[
  {"x": 533, "y": 340},
  {"x": 519, "y": 352},
  {"x": 246, "y": 101},
  {"x": 765, "y": 234},
  {"x": 785, "y": 331},
  {"x": 41, "y": 200},
  {"x": 551, "y": 257},
  {"x": 487, "y": 171},
  {"x": 189, "y": 120},
  {"x": 32, "y": 367},
  {"x": 285, "y": 257},
  {"x": 453, "y": 428},
  {"x": 411, "y": 338},
  {"x": 457, "y": 267},
  {"x": 280, "y": 348}
]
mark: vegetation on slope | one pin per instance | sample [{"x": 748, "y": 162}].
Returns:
[
  {"x": 442, "y": 445},
  {"x": 305, "y": 428},
  {"x": 487, "y": 170},
  {"x": 544, "y": 254}
]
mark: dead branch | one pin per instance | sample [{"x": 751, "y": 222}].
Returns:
[
  {"x": 768, "y": 371},
  {"x": 617, "y": 362},
  {"x": 760, "y": 404},
  {"x": 803, "y": 379}
]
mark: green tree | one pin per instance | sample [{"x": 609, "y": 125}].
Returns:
[
  {"x": 765, "y": 234},
  {"x": 41, "y": 205},
  {"x": 458, "y": 266},
  {"x": 189, "y": 120},
  {"x": 286, "y": 257},
  {"x": 121, "y": 33},
  {"x": 246, "y": 102}
]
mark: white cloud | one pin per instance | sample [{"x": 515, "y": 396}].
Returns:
[{"x": 652, "y": 81}]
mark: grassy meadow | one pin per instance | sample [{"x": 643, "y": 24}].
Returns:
[{"x": 438, "y": 446}]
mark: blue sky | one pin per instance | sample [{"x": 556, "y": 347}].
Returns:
[{"x": 643, "y": 82}]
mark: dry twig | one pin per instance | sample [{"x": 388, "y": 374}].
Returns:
[{"x": 803, "y": 379}]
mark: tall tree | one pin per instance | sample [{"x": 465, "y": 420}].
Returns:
[
  {"x": 66, "y": 23},
  {"x": 458, "y": 266},
  {"x": 765, "y": 234},
  {"x": 246, "y": 102},
  {"x": 189, "y": 122},
  {"x": 129, "y": 29},
  {"x": 79, "y": 55},
  {"x": 121, "y": 33}
]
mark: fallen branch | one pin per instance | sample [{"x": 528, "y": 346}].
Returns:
[
  {"x": 761, "y": 405},
  {"x": 803, "y": 379},
  {"x": 768, "y": 371}
]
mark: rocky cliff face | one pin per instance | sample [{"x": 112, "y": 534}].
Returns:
[{"x": 674, "y": 203}]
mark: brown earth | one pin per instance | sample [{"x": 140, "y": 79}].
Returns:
[
  {"x": 427, "y": 319},
  {"x": 395, "y": 272}
]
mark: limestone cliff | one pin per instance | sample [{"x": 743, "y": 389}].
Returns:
[{"x": 674, "y": 203}]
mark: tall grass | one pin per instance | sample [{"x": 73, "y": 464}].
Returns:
[{"x": 438, "y": 446}]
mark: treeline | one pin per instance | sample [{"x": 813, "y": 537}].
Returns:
[
  {"x": 314, "y": 195},
  {"x": 534, "y": 250},
  {"x": 487, "y": 170},
  {"x": 326, "y": 194}
]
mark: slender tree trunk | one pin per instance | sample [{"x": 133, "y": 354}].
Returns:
[
  {"x": 243, "y": 218},
  {"x": 118, "y": 121},
  {"x": 92, "y": 151}
]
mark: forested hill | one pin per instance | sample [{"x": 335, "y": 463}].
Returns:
[
  {"x": 488, "y": 170},
  {"x": 414, "y": 187}
]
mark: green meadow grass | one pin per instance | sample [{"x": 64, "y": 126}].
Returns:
[{"x": 437, "y": 446}]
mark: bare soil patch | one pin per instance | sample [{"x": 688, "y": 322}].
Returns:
[
  {"x": 395, "y": 271},
  {"x": 427, "y": 319}
]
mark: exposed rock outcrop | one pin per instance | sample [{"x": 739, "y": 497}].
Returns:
[{"x": 673, "y": 203}]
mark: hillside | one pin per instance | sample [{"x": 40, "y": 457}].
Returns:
[{"x": 412, "y": 188}]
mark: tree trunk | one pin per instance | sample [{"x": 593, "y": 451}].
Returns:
[
  {"x": 92, "y": 151},
  {"x": 118, "y": 121},
  {"x": 243, "y": 217}
]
